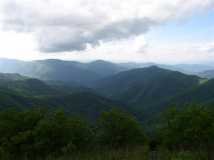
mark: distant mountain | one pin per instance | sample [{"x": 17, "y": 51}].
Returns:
[
  {"x": 133, "y": 65},
  {"x": 84, "y": 74},
  {"x": 58, "y": 70},
  {"x": 65, "y": 71},
  {"x": 188, "y": 68},
  {"x": 103, "y": 68},
  {"x": 207, "y": 74},
  {"x": 184, "y": 68},
  {"x": 146, "y": 87}
]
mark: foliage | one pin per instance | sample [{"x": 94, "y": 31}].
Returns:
[
  {"x": 189, "y": 129},
  {"x": 185, "y": 156},
  {"x": 36, "y": 133},
  {"x": 118, "y": 129},
  {"x": 134, "y": 153}
]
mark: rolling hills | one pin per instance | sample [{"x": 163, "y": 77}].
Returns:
[
  {"x": 202, "y": 94},
  {"x": 83, "y": 74},
  {"x": 24, "y": 85},
  {"x": 145, "y": 92},
  {"x": 146, "y": 86},
  {"x": 84, "y": 104},
  {"x": 21, "y": 92}
]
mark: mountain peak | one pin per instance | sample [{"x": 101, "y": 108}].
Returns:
[
  {"x": 153, "y": 67},
  {"x": 101, "y": 62}
]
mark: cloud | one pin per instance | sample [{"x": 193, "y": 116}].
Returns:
[
  {"x": 78, "y": 40},
  {"x": 62, "y": 25},
  {"x": 208, "y": 47}
]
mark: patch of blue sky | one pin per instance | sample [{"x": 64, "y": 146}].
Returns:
[{"x": 197, "y": 28}]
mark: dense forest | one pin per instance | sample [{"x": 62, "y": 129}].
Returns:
[{"x": 40, "y": 134}]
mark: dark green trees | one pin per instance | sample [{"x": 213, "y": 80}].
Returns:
[
  {"x": 34, "y": 134},
  {"x": 189, "y": 129},
  {"x": 60, "y": 133},
  {"x": 17, "y": 132},
  {"x": 117, "y": 129}
]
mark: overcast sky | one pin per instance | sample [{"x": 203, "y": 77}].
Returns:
[{"x": 163, "y": 31}]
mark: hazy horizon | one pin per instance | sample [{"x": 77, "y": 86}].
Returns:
[{"x": 111, "y": 61}]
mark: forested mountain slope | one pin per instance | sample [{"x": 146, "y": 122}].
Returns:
[{"x": 146, "y": 86}]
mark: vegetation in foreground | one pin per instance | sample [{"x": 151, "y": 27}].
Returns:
[{"x": 38, "y": 134}]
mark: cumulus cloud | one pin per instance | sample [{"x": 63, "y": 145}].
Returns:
[
  {"x": 77, "y": 39},
  {"x": 62, "y": 25}
]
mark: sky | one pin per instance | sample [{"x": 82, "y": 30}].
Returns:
[{"x": 161, "y": 31}]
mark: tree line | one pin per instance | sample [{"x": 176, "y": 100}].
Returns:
[{"x": 36, "y": 133}]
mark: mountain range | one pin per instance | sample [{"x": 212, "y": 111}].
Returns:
[
  {"x": 84, "y": 74},
  {"x": 69, "y": 72},
  {"x": 87, "y": 89}
]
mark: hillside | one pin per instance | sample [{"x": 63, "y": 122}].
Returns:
[
  {"x": 145, "y": 90},
  {"x": 25, "y": 85},
  {"x": 11, "y": 77},
  {"x": 86, "y": 105},
  {"x": 21, "y": 92},
  {"x": 202, "y": 94},
  {"x": 10, "y": 99}
]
